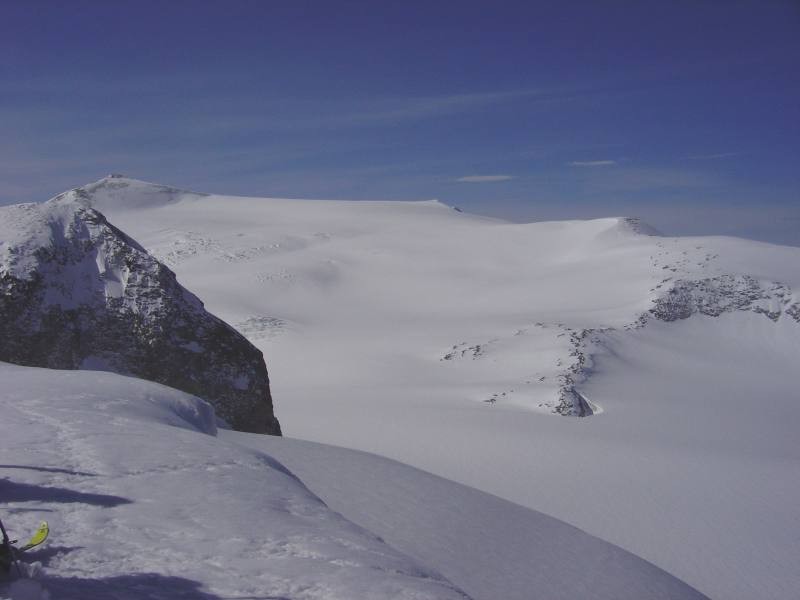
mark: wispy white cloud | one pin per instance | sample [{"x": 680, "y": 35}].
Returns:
[
  {"x": 374, "y": 112},
  {"x": 713, "y": 156},
  {"x": 592, "y": 163},
  {"x": 484, "y": 178}
]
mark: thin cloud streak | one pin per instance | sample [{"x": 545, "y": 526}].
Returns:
[
  {"x": 484, "y": 178},
  {"x": 592, "y": 163},
  {"x": 385, "y": 111},
  {"x": 713, "y": 156}
]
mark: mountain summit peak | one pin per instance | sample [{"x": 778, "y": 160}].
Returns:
[
  {"x": 117, "y": 191},
  {"x": 637, "y": 225}
]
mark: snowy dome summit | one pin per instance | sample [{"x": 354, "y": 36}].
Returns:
[{"x": 465, "y": 346}]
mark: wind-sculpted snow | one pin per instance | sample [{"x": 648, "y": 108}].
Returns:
[
  {"x": 489, "y": 547},
  {"x": 77, "y": 293},
  {"x": 143, "y": 504}
]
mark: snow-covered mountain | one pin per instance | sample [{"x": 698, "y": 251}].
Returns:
[
  {"x": 466, "y": 346},
  {"x": 76, "y": 292}
]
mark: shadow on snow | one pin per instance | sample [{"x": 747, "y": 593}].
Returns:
[
  {"x": 49, "y": 470},
  {"x": 11, "y": 491},
  {"x": 141, "y": 586}
]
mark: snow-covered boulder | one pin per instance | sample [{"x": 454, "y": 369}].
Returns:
[{"x": 77, "y": 293}]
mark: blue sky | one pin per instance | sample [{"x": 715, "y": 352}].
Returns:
[{"x": 686, "y": 113}]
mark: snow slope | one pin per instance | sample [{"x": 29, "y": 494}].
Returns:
[
  {"x": 450, "y": 342},
  {"x": 146, "y": 499},
  {"x": 144, "y": 502},
  {"x": 489, "y": 546}
]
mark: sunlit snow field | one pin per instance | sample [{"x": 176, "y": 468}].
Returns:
[
  {"x": 442, "y": 340},
  {"x": 375, "y": 295}
]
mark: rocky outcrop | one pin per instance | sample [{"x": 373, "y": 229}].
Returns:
[
  {"x": 77, "y": 293},
  {"x": 725, "y": 293},
  {"x": 636, "y": 225},
  {"x": 571, "y": 402}
]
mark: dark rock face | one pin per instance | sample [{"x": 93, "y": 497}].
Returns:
[
  {"x": 77, "y": 293},
  {"x": 571, "y": 403},
  {"x": 725, "y": 293},
  {"x": 638, "y": 226}
]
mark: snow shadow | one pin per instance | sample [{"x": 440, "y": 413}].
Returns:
[
  {"x": 45, "y": 554},
  {"x": 11, "y": 491},
  {"x": 140, "y": 586},
  {"x": 273, "y": 463},
  {"x": 49, "y": 470}
]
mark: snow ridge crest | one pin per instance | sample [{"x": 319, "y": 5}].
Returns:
[{"x": 119, "y": 192}]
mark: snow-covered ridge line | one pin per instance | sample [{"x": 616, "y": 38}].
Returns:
[
  {"x": 119, "y": 192},
  {"x": 115, "y": 188},
  {"x": 711, "y": 296},
  {"x": 683, "y": 298}
]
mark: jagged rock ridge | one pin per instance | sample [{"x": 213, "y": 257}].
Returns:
[{"x": 77, "y": 293}]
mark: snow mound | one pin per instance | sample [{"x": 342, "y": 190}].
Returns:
[
  {"x": 110, "y": 394},
  {"x": 135, "y": 494}
]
